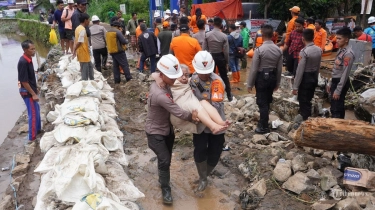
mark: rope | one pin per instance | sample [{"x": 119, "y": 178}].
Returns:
[{"x": 14, "y": 190}]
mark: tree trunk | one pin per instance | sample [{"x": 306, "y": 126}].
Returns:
[
  {"x": 266, "y": 6},
  {"x": 337, "y": 135}
]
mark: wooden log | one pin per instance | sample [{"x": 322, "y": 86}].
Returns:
[{"x": 337, "y": 135}]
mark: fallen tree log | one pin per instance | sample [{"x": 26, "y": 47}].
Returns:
[{"x": 337, "y": 135}]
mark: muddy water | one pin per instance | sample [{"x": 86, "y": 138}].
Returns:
[{"x": 12, "y": 105}]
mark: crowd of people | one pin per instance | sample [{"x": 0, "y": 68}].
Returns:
[{"x": 184, "y": 52}]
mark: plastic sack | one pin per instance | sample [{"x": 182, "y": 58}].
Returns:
[{"x": 53, "y": 37}]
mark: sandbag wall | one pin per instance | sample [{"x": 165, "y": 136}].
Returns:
[{"x": 84, "y": 160}]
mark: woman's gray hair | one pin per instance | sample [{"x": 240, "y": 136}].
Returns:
[{"x": 185, "y": 67}]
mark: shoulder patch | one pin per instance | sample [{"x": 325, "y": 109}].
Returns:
[
  {"x": 170, "y": 97},
  {"x": 346, "y": 61}
]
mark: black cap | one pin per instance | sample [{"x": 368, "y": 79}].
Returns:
[
  {"x": 158, "y": 20},
  {"x": 116, "y": 24},
  {"x": 243, "y": 24},
  {"x": 82, "y": 2},
  {"x": 184, "y": 27}
]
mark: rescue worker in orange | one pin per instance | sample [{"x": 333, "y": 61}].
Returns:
[
  {"x": 137, "y": 33},
  {"x": 294, "y": 11},
  {"x": 320, "y": 35},
  {"x": 194, "y": 19},
  {"x": 310, "y": 23}
]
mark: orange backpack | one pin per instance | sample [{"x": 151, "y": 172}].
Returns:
[{"x": 217, "y": 91}]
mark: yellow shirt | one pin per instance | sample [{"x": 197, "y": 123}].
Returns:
[
  {"x": 83, "y": 52},
  {"x": 184, "y": 48}
]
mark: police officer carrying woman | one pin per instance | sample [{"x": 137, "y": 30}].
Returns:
[
  {"x": 265, "y": 74},
  {"x": 339, "y": 85},
  {"x": 159, "y": 129}
]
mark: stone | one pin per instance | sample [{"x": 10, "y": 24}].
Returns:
[
  {"x": 30, "y": 148},
  {"x": 274, "y": 160},
  {"x": 284, "y": 127},
  {"x": 292, "y": 134},
  {"x": 308, "y": 150},
  {"x": 260, "y": 146},
  {"x": 279, "y": 144},
  {"x": 22, "y": 158},
  {"x": 347, "y": 204},
  {"x": 23, "y": 129},
  {"x": 34, "y": 201},
  {"x": 20, "y": 169},
  {"x": 273, "y": 136},
  {"x": 6, "y": 203},
  {"x": 298, "y": 183},
  {"x": 259, "y": 139},
  {"x": 141, "y": 77},
  {"x": 330, "y": 171},
  {"x": 318, "y": 152},
  {"x": 321, "y": 162},
  {"x": 323, "y": 205},
  {"x": 289, "y": 146},
  {"x": 298, "y": 164},
  {"x": 240, "y": 103},
  {"x": 328, "y": 155},
  {"x": 313, "y": 176},
  {"x": 290, "y": 155},
  {"x": 312, "y": 165},
  {"x": 237, "y": 115},
  {"x": 275, "y": 152},
  {"x": 364, "y": 200},
  {"x": 282, "y": 170},
  {"x": 327, "y": 182},
  {"x": 256, "y": 116},
  {"x": 259, "y": 189}
]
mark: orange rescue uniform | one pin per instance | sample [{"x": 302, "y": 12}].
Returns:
[
  {"x": 311, "y": 26},
  {"x": 193, "y": 22},
  {"x": 290, "y": 28},
  {"x": 320, "y": 38}
]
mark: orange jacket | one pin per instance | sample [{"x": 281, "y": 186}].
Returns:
[
  {"x": 290, "y": 28},
  {"x": 320, "y": 38},
  {"x": 184, "y": 48},
  {"x": 193, "y": 22},
  {"x": 138, "y": 32},
  {"x": 311, "y": 26}
]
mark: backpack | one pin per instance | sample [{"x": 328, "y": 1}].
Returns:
[{"x": 240, "y": 51}]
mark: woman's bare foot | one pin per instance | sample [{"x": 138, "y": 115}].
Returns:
[{"x": 218, "y": 128}]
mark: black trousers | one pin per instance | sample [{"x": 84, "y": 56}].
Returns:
[
  {"x": 98, "y": 55},
  {"x": 221, "y": 64},
  {"x": 119, "y": 59},
  {"x": 305, "y": 95},
  {"x": 291, "y": 64},
  {"x": 264, "y": 90},
  {"x": 162, "y": 146},
  {"x": 338, "y": 106},
  {"x": 208, "y": 147}
]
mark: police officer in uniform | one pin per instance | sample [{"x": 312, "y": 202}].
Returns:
[
  {"x": 265, "y": 74},
  {"x": 307, "y": 73},
  {"x": 159, "y": 130},
  {"x": 340, "y": 83},
  {"x": 217, "y": 44},
  {"x": 206, "y": 85}
]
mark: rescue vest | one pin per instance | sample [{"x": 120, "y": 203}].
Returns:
[
  {"x": 113, "y": 44},
  {"x": 258, "y": 38}
]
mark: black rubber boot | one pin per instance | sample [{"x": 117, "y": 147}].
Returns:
[
  {"x": 202, "y": 171},
  {"x": 164, "y": 178},
  {"x": 262, "y": 128},
  {"x": 209, "y": 169}
]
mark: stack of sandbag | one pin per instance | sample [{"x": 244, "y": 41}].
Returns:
[{"x": 85, "y": 144}]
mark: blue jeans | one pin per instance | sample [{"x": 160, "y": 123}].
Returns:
[
  {"x": 33, "y": 112},
  {"x": 234, "y": 63},
  {"x": 152, "y": 60}
]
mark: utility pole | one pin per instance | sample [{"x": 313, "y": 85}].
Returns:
[{"x": 364, "y": 14}]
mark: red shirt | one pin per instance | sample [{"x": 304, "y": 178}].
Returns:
[
  {"x": 295, "y": 43},
  {"x": 365, "y": 37}
]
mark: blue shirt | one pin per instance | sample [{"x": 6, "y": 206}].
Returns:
[
  {"x": 371, "y": 31},
  {"x": 57, "y": 17}
]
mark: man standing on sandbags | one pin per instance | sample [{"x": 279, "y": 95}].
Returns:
[
  {"x": 81, "y": 48},
  {"x": 28, "y": 88},
  {"x": 159, "y": 130},
  {"x": 116, "y": 48},
  {"x": 265, "y": 74}
]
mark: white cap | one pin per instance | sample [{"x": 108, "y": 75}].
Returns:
[
  {"x": 95, "y": 18},
  {"x": 203, "y": 63},
  {"x": 70, "y": 1},
  {"x": 166, "y": 17},
  {"x": 237, "y": 24},
  {"x": 175, "y": 11},
  {"x": 168, "y": 11},
  {"x": 156, "y": 14},
  {"x": 127, "y": 33},
  {"x": 169, "y": 66},
  {"x": 371, "y": 19}
]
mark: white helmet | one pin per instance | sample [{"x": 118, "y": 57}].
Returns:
[
  {"x": 203, "y": 62},
  {"x": 166, "y": 17},
  {"x": 95, "y": 18},
  {"x": 371, "y": 19},
  {"x": 175, "y": 11},
  {"x": 169, "y": 66},
  {"x": 156, "y": 14},
  {"x": 168, "y": 11}
]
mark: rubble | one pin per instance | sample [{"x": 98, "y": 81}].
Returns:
[
  {"x": 299, "y": 183},
  {"x": 282, "y": 170},
  {"x": 347, "y": 204}
]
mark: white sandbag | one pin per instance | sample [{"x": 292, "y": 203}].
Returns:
[
  {"x": 67, "y": 79},
  {"x": 109, "y": 109},
  {"x": 107, "y": 87},
  {"x": 108, "y": 139},
  {"x": 111, "y": 125},
  {"x": 119, "y": 156},
  {"x": 49, "y": 160},
  {"x": 120, "y": 184},
  {"x": 107, "y": 97},
  {"x": 98, "y": 202},
  {"x": 52, "y": 116},
  {"x": 63, "y": 133},
  {"x": 45, "y": 192},
  {"x": 368, "y": 93},
  {"x": 47, "y": 141}
]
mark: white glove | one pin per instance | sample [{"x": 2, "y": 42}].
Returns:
[
  {"x": 127, "y": 33},
  {"x": 91, "y": 51}
]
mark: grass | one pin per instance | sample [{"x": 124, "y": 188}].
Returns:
[{"x": 22, "y": 15}]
